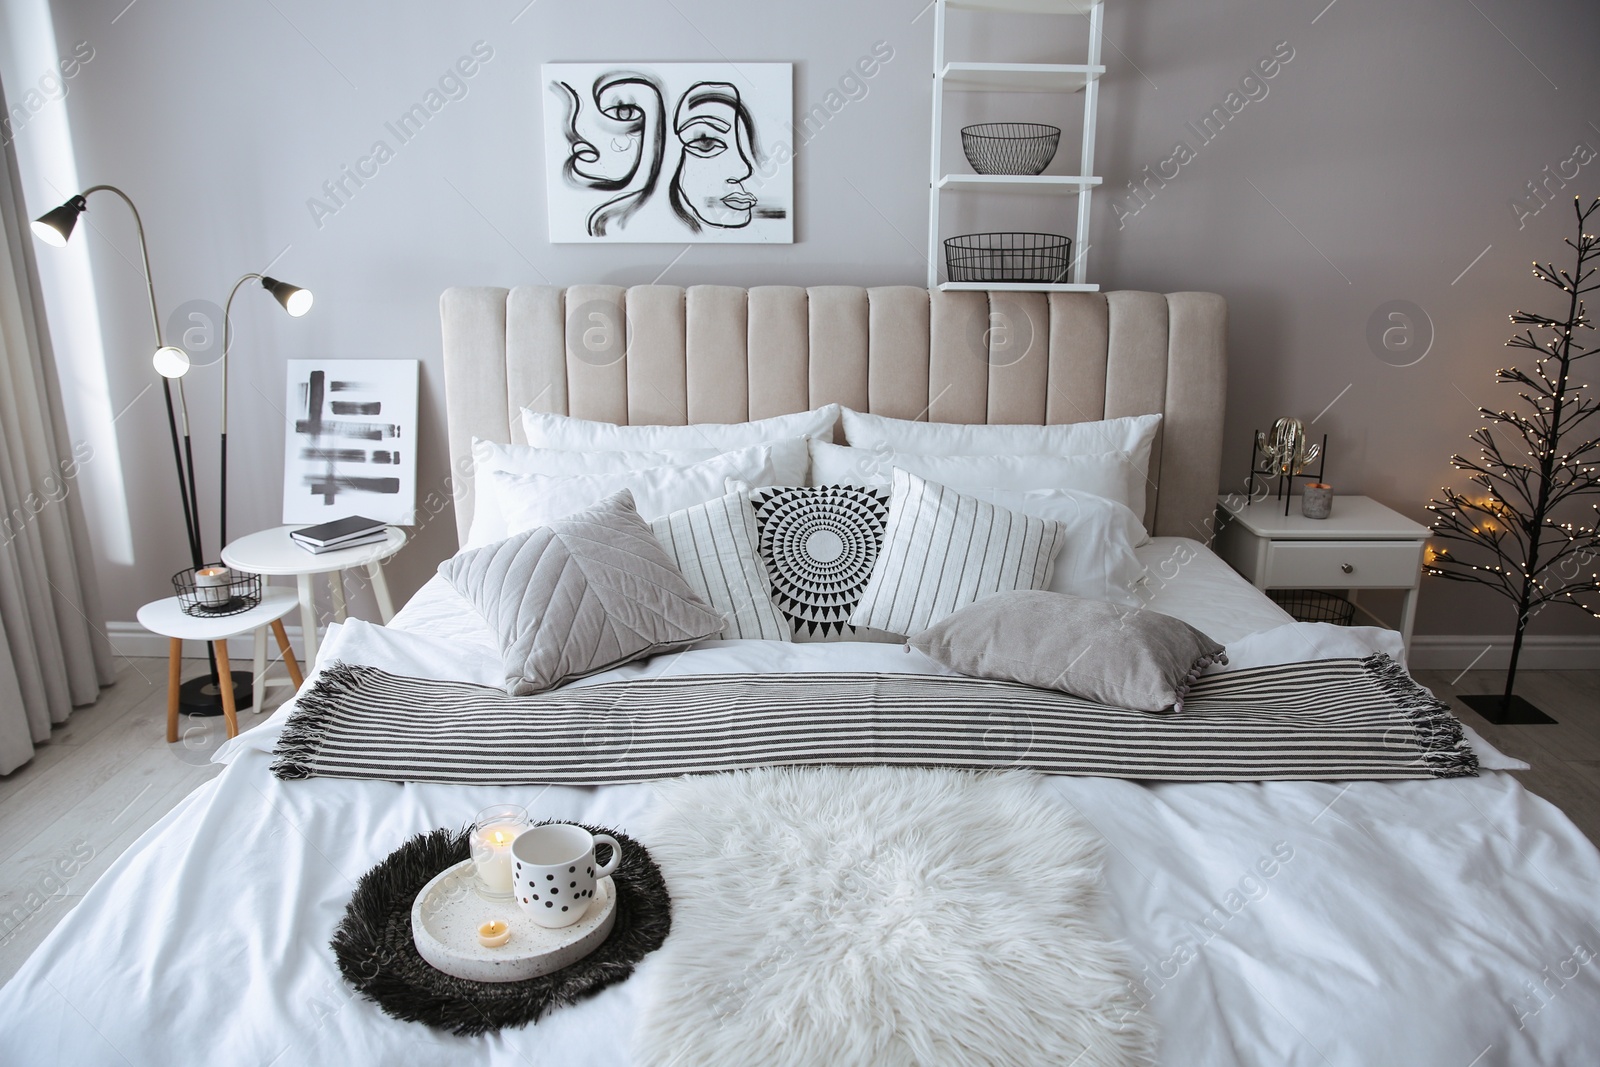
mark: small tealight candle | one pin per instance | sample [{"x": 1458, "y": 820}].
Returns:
[{"x": 494, "y": 933}]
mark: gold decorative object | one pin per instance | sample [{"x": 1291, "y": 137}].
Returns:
[{"x": 1286, "y": 449}]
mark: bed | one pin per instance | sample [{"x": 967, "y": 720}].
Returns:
[{"x": 1445, "y": 921}]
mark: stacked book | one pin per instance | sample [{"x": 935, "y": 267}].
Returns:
[{"x": 340, "y": 533}]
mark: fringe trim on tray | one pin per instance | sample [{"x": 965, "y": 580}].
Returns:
[
  {"x": 314, "y": 711},
  {"x": 1444, "y": 748}
]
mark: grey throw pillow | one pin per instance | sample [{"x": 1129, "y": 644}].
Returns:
[
  {"x": 1124, "y": 657},
  {"x": 586, "y": 593}
]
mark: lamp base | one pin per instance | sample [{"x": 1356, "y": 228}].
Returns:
[
  {"x": 200, "y": 696},
  {"x": 1494, "y": 708}
]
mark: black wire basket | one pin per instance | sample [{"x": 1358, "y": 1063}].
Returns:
[
  {"x": 1008, "y": 257},
  {"x": 1010, "y": 147},
  {"x": 240, "y": 593},
  {"x": 1311, "y": 605}
]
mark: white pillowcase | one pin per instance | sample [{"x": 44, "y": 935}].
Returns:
[
  {"x": 1131, "y": 433},
  {"x": 530, "y": 500},
  {"x": 942, "y": 550},
  {"x": 790, "y": 461},
  {"x": 790, "y": 458},
  {"x": 545, "y": 430},
  {"x": 1098, "y": 559},
  {"x": 1116, "y": 476}
]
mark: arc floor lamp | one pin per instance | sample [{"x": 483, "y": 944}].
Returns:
[{"x": 199, "y": 696}]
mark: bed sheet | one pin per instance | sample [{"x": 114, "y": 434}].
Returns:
[{"x": 1434, "y": 922}]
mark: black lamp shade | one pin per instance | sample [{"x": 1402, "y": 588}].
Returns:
[
  {"x": 55, "y": 225},
  {"x": 295, "y": 300}
]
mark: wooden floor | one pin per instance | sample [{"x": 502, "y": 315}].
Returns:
[
  {"x": 108, "y": 775},
  {"x": 105, "y": 777}
]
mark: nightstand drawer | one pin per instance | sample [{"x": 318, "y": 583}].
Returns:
[{"x": 1343, "y": 564}]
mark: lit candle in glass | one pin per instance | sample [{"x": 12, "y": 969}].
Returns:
[{"x": 493, "y": 831}]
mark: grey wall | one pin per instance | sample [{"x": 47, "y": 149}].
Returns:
[{"x": 1375, "y": 165}]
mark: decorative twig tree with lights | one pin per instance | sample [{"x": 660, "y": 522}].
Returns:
[{"x": 1527, "y": 468}]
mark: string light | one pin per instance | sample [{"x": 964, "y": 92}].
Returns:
[{"x": 1533, "y": 558}]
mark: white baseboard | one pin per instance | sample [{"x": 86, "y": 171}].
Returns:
[
  {"x": 131, "y": 639},
  {"x": 1444, "y": 652}
]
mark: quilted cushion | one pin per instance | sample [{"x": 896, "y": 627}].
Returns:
[{"x": 586, "y": 593}]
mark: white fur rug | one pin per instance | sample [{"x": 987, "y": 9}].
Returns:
[{"x": 883, "y": 916}]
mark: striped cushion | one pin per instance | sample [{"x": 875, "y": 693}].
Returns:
[
  {"x": 943, "y": 550},
  {"x": 714, "y": 545}
]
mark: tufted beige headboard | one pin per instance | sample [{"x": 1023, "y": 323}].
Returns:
[{"x": 714, "y": 353}]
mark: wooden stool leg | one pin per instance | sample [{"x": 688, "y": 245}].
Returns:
[
  {"x": 174, "y": 682},
  {"x": 288, "y": 653},
  {"x": 225, "y": 676}
]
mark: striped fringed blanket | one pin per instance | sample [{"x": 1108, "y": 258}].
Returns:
[{"x": 1329, "y": 719}]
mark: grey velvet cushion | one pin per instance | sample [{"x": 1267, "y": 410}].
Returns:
[
  {"x": 586, "y": 593},
  {"x": 1125, "y": 657}
]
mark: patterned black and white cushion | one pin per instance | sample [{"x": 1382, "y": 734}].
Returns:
[{"x": 818, "y": 543}]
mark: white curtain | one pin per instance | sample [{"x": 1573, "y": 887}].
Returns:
[{"x": 54, "y": 655}]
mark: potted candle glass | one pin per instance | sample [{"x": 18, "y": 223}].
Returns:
[{"x": 492, "y": 833}]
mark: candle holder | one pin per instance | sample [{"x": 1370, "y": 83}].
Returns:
[
  {"x": 493, "y": 831},
  {"x": 1317, "y": 500},
  {"x": 215, "y": 590}
]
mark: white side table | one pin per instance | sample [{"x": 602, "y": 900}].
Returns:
[
  {"x": 273, "y": 553},
  {"x": 1361, "y": 545},
  {"x": 167, "y": 618}
]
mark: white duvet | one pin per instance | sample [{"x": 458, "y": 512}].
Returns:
[{"x": 1450, "y": 922}]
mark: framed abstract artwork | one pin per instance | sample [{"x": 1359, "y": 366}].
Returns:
[
  {"x": 351, "y": 440},
  {"x": 669, "y": 152}
]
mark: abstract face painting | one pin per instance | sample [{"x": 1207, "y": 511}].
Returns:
[
  {"x": 716, "y": 135},
  {"x": 667, "y": 152}
]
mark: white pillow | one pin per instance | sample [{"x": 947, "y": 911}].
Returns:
[
  {"x": 790, "y": 461},
  {"x": 1117, "y": 476},
  {"x": 530, "y": 500},
  {"x": 1131, "y": 433},
  {"x": 545, "y": 430},
  {"x": 1098, "y": 560},
  {"x": 942, "y": 550}
]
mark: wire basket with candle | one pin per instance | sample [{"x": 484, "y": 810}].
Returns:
[{"x": 216, "y": 590}]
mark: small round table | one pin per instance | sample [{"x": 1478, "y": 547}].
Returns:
[
  {"x": 167, "y": 618},
  {"x": 274, "y": 553}
]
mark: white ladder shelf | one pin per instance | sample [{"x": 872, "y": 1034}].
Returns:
[{"x": 968, "y": 76}]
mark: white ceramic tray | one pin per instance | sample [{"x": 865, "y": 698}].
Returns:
[{"x": 447, "y": 913}]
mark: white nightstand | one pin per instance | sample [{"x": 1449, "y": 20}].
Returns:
[
  {"x": 273, "y": 553},
  {"x": 1362, "y": 545}
]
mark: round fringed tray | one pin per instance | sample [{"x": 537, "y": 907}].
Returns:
[{"x": 377, "y": 952}]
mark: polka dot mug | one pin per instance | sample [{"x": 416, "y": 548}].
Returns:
[{"x": 553, "y": 871}]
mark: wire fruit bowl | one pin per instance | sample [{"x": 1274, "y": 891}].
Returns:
[
  {"x": 238, "y": 595},
  {"x": 1008, "y": 257},
  {"x": 1010, "y": 147}
]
